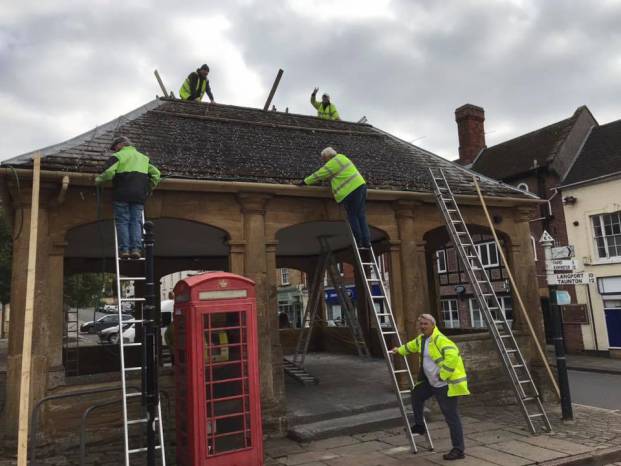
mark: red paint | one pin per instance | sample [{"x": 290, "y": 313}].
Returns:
[{"x": 218, "y": 406}]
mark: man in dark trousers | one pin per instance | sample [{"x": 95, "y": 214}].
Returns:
[
  {"x": 196, "y": 85},
  {"x": 133, "y": 178},
  {"x": 441, "y": 375},
  {"x": 348, "y": 188}
]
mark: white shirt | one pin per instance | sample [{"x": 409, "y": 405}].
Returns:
[{"x": 431, "y": 369}]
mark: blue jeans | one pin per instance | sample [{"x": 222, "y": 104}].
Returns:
[
  {"x": 355, "y": 206},
  {"x": 128, "y": 218},
  {"x": 448, "y": 405}
]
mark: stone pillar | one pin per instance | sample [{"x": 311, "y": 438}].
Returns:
[
  {"x": 414, "y": 280},
  {"x": 55, "y": 310},
  {"x": 41, "y": 319},
  {"x": 256, "y": 262},
  {"x": 237, "y": 257}
]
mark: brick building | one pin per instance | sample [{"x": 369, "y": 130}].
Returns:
[
  {"x": 535, "y": 162},
  {"x": 228, "y": 201}
]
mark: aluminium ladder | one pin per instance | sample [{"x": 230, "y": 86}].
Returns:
[
  {"x": 515, "y": 366},
  {"x": 387, "y": 332},
  {"x": 130, "y": 453}
]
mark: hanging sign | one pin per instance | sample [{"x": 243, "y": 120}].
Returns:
[
  {"x": 563, "y": 252},
  {"x": 577, "y": 278},
  {"x": 562, "y": 265}
]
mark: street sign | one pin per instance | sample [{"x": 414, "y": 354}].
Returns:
[
  {"x": 577, "y": 278},
  {"x": 563, "y": 252},
  {"x": 562, "y": 265}
]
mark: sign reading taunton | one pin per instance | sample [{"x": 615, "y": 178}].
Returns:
[{"x": 576, "y": 278}]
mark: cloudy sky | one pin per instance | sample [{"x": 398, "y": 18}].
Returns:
[{"x": 68, "y": 66}]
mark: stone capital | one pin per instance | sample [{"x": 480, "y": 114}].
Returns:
[
  {"x": 253, "y": 203},
  {"x": 270, "y": 246},
  {"x": 237, "y": 246},
  {"x": 394, "y": 245},
  {"x": 524, "y": 214},
  {"x": 405, "y": 209}
]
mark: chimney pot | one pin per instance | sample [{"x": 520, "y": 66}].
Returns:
[{"x": 471, "y": 132}]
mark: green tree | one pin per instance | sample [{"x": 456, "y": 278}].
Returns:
[
  {"x": 6, "y": 254},
  {"x": 86, "y": 289}
]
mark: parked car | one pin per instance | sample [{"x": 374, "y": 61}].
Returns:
[
  {"x": 111, "y": 320},
  {"x": 108, "y": 309},
  {"x": 111, "y": 334}
]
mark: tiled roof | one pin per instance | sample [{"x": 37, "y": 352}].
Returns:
[
  {"x": 522, "y": 154},
  {"x": 227, "y": 143},
  {"x": 600, "y": 156}
]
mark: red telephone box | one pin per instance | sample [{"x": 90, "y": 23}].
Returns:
[{"x": 218, "y": 410}]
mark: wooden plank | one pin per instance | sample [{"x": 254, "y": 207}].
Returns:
[
  {"x": 24, "y": 395},
  {"x": 160, "y": 82},
  {"x": 273, "y": 91},
  {"x": 516, "y": 291}
]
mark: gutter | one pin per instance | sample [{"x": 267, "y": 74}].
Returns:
[
  {"x": 591, "y": 180},
  {"x": 179, "y": 184}
]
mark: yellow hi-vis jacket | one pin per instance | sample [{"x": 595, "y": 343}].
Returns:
[
  {"x": 343, "y": 175},
  {"x": 325, "y": 113},
  {"x": 446, "y": 355}
]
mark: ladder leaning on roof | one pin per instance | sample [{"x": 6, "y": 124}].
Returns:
[
  {"x": 387, "y": 332},
  {"x": 522, "y": 382},
  {"x": 146, "y": 417}
]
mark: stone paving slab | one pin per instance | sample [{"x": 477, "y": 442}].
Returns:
[
  {"x": 527, "y": 450},
  {"x": 497, "y": 457}
]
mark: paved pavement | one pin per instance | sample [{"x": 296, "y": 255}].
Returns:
[
  {"x": 494, "y": 436},
  {"x": 590, "y": 363}
]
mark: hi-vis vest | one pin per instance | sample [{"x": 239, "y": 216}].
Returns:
[
  {"x": 186, "y": 91},
  {"x": 446, "y": 355},
  {"x": 343, "y": 175},
  {"x": 325, "y": 113}
]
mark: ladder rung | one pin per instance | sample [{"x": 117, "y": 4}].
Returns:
[
  {"x": 132, "y": 299},
  {"x": 515, "y": 366},
  {"x": 389, "y": 333},
  {"x": 536, "y": 415},
  {"x": 137, "y": 421},
  {"x": 132, "y": 395},
  {"x": 524, "y": 381},
  {"x": 400, "y": 371},
  {"x": 404, "y": 392},
  {"x": 139, "y": 450},
  {"x": 125, "y": 279},
  {"x": 451, "y": 210},
  {"x": 529, "y": 398},
  {"x": 129, "y": 259},
  {"x": 373, "y": 279},
  {"x": 505, "y": 335},
  {"x": 511, "y": 351},
  {"x": 132, "y": 344},
  {"x": 378, "y": 297},
  {"x": 136, "y": 368}
]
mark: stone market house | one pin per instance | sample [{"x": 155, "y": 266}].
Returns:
[{"x": 228, "y": 201}]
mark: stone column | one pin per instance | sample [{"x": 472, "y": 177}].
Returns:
[
  {"x": 256, "y": 259},
  {"x": 237, "y": 257},
  {"x": 41, "y": 319},
  {"x": 414, "y": 280},
  {"x": 396, "y": 301},
  {"x": 56, "y": 311}
]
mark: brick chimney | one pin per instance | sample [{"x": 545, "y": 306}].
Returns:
[{"x": 471, "y": 131}]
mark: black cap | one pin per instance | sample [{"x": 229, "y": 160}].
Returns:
[
  {"x": 204, "y": 67},
  {"x": 119, "y": 140}
]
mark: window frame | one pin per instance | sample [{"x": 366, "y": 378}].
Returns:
[
  {"x": 604, "y": 237},
  {"x": 445, "y": 269},
  {"x": 284, "y": 276},
  {"x": 443, "y": 310},
  {"x": 487, "y": 244}
]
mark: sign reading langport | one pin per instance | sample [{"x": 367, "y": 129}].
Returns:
[{"x": 576, "y": 278}]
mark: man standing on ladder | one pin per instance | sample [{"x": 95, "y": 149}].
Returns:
[
  {"x": 196, "y": 85},
  {"x": 441, "y": 375},
  {"x": 348, "y": 188},
  {"x": 133, "y": 178}
]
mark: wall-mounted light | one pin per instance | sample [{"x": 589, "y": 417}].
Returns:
[
  {"x": 569, "y": 200},
  {"x": 576, "y": 223},
  {"x": 460, "y": 290}
]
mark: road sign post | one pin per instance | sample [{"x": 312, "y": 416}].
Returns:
[{"x": 559, "y": 347}]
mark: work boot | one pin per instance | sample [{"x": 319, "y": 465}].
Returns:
[
  {"x": 136, "y": 254},
  {"x": 124, "y": 255},
  {"x": 418, "y": 429},
  {"x": 454, "y": 454}
]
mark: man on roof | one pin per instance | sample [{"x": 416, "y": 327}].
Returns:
[
  {"x": 196, "y": 85},
  {"x": 133, "y": 178},
  {"x": 325, "y": 109},
  {"x": 348, "y": 188}
]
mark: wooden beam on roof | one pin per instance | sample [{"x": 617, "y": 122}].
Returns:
[
  {"x": 160, "y": 82},
  {"x": 273, "y": 91},
  {"x": 24, "y": 388}
]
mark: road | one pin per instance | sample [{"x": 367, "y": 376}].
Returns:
[{"x": 595, "y": 389}]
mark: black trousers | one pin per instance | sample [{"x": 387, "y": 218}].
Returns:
[{"x": 448, "y": 405}]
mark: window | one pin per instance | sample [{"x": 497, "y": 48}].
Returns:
[
  {"x": 441, "y": 260},
  {"x": 476, "y": 316},
  {"x": 488, "y": 253},
  {"x": 450, "y": 315},
  {"x": 523, "y": 187},
  {"x": 284, "y": 276},
  {"x": 607, "y": 234}
]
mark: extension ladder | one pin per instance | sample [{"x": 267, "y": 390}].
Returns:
[
  {"x": 121, "y": 278},
  {"x": 521, "y": 380},
  {"x": 71, "y": 339},
  {"x": 388, "y": 332}
]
